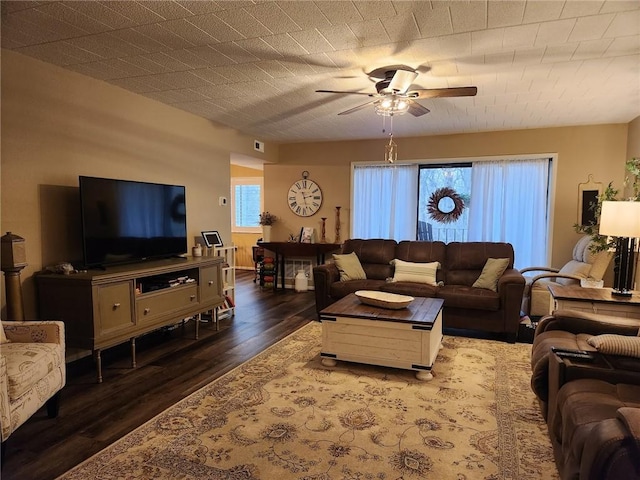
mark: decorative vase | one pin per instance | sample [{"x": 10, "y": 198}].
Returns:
[
  {"x": 266, "y": 233},
  {"x": 323, "y": 239},
  {"x": 301, "y": 283},
  {"x": 337, "y": 240}
]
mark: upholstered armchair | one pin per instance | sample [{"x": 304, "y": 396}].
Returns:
[
  {"x": 32, "y": 371},
  {"x": 584, "y": 264}
]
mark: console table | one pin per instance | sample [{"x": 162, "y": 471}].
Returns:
[
  {"x": 294, "y": 249},
  {"x": 104, "y": 308},
  {"x": 594, "y": 300}
]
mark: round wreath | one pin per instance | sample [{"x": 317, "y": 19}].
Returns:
[{"x": 433, "y": 206}]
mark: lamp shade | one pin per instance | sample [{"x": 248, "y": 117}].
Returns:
[{"x": 620, "y": 219}]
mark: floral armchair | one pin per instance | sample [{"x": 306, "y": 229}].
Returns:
[{"x": 32, "y": 371}]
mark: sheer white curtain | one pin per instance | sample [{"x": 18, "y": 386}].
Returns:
[
  {"x": 509, "y": 204},
  {"x": 385, "y": 201}
]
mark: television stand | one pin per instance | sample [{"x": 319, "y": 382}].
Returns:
[{"x": 104, "y": 308}]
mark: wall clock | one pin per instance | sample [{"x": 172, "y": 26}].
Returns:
[{"x": 305, "y": 196}]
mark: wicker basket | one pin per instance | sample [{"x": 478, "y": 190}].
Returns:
[{"x": 391, "y": 301}]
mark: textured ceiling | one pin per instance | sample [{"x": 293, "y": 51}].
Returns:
[{"x": 255, "y": 65}]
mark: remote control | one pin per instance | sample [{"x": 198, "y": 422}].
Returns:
[
  {"x": 587, "y": 357},
  {"x": 568, "y": 350}
]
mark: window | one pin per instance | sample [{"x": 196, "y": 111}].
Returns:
[
  {"x": 488, "y": 200},
  {"x": 384, "y": 201},
  {"x": 432, "y": 179},
  {"x": 246, "y": 204}
]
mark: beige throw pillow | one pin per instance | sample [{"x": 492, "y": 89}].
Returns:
[
  {"x": 415, "y": 272},
  {"x": 492, "y": 271},
  {"x": 611, "y": 344},
  {"x": 349, "y": 266}
]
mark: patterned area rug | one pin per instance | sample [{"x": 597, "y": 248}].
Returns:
[{"x": 283, "y": 415}]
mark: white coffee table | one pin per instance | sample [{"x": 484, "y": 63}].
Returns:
[{"x": 409, "y": 338}]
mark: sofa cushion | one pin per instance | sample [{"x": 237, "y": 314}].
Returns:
[
  {"x": 415, "y": 272},
  {"x": 349, "y": 267},
  {"x": 460, "y": 296},
  {"x": 423, "y": 252},
  {"x": 411, "y": 288},
  {"x": 473, "y": 255},
  {"x": 374, "y": 254},
  {"x": 342, "y": 289},
  {"x": 582, "y": 404},
  {"x": 27, "y": 363},
  {"x": 492, "y": 271},
  {"x": 465, "y": 260}
]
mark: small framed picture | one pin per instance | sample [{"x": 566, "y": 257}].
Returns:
[
  {"x": 306, "y": 235},
  {"x": 212, "y": 239},
  {"x": 588, "y": 196}
]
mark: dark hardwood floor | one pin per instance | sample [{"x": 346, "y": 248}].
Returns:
[{"x": 170, "y": 366}]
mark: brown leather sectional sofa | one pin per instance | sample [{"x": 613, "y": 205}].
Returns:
[
  {"x": 465, "y": 307},
  {"x": 592, "y": 408}
]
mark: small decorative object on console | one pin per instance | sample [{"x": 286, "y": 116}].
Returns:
[
  {"x": 306, "y": 235},
  {"x": 212, "y": 239},
  {"x": 391, "y": 301},
  {"x": 591, "y": 283}
]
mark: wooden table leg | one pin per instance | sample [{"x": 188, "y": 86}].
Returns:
[
  {"x": 282, "y": 271},
  {"x": 98, "y": 359},
  {"x": 133, "y": 352}
]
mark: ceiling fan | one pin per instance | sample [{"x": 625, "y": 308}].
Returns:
[{"x": 393, "y": 96}]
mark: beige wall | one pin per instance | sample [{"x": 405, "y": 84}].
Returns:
[
  {"x": 633, "y": 141},
  {"x": 57, "y": 125},
  {"x": 245, "y": 241},
  {"x": 633, "y": 151},
  {"x": 599, "y": 150}
]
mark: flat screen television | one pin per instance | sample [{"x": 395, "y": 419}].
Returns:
[{"x": 126, "y": 221}]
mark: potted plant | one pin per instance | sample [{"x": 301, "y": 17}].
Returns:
[
  {"x": 602, "y": 242},
  {"x": 267, "y": 220}
]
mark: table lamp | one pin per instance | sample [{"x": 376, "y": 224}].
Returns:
[{"x": 622, "y": 220}]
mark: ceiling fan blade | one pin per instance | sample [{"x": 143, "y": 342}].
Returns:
[
  {"x": 351, "y": 93},
  {"x": 401, "y": 81},
  {"x": 444, "y": 92},
  {"x": 417, "y": 110},
  {"x": 355, "y": 109}
]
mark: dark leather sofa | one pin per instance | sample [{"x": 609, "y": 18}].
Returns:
[
  {"x": 593, "y": 411},
  {"x": 465, "y": 307}
]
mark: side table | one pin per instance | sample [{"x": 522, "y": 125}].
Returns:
[{"x": 594, "y": 300}]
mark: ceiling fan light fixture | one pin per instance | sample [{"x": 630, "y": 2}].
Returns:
[{"x": 391, "y": 105}]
